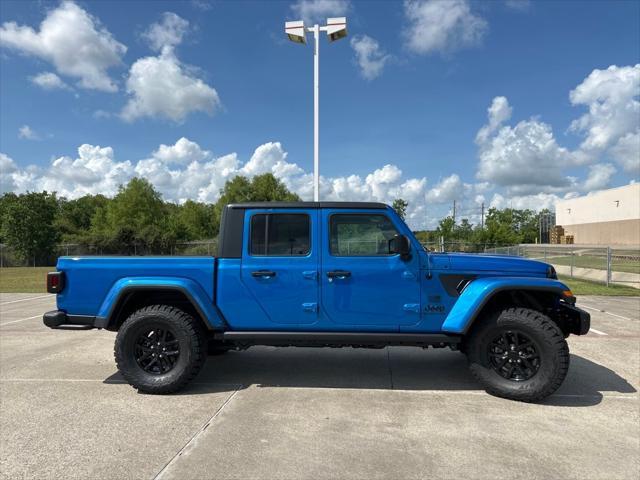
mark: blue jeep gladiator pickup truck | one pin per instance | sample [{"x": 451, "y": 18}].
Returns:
[{"x": 321, "y": 274}]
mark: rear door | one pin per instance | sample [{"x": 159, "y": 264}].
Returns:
[
  {"x": 280, "y": 263},
  {"x": 361, "y": 282}
]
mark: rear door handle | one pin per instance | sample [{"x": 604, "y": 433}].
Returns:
[
  {"x": 340, "y": 274},
  {"x": 263, "y": 274}
]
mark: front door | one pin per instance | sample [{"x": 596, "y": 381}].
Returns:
[
  {"x": 361, "y": 282},
  {"x": 280, "y": 264}
]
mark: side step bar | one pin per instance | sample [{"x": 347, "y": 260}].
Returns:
[{"x": 377, "y": 339}]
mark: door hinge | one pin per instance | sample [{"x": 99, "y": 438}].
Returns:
[{"x": 411, "y": 307}]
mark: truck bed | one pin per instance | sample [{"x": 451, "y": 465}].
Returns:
[{"x": 89, "y": 280}]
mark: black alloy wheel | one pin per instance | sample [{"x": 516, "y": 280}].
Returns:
[
  {"x": 514, "y": 356},
  {"x": 157, "y": 350}
]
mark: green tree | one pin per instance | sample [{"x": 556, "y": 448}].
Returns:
[
  {"x": 28, "y": 225},
  {"x": 267, "y": 188},
  {"x": 135, "y": 216},
  {"x": 5, "y": 200},
  {"x": 464, "y": 231},
  {"x": 191, "y": 221},
  {"x": 446, "y": 228},
  {"x": 501, "y": 227},
  {"x": 74, "y": 216},
  {"x": 400, "y": 206},
  {"x": 261, "y": 188}
]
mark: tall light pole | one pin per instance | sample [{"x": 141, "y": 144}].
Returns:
[{"x": 336, "y": 29}]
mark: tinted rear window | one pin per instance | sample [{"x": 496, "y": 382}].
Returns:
[{"x": 280, "y": 234}]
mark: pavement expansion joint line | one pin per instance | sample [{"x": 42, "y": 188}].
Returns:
[
  {"x": 596, "y": 309},
  {"x": 195, "y": 435},
  {"x": 26, "y": 299},
  {"x": 21, "y": 320}
]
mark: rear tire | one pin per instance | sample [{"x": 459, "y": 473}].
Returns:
[
  {"x": 518, "y": 354},
  {"x": 159, "y": 349}
]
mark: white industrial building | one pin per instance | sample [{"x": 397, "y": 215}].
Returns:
[{"x": 608, "y": 217}]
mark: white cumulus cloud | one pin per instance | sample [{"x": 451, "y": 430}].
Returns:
[
  {"x": 8, "y": 168},
  {"x": 626, "y": 152},
  {"x": 184, "y": 170},
  {"x": 370, "y": 57},
  {"x": 599, "y": 177},
  {"x": 49, "y": 81},
  {"x": 73, "y": 41},
  {"x": 183, "y": 152},
  {"x": 166, "y": 33},
  {"x": 317, "y": 11},
  {"x": 498, "y": 113},
  {"x": 522, "y": 157},
  {"x": 447, "y": 190},
  {"x": 612, "y": 124},
  {"x": 25, "y": 132},
  {"x": 164, "y": 87},
  {"x": 441, "y": 26}
]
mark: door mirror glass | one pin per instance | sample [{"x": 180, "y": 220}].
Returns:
[{"x": 400, "y": 245}]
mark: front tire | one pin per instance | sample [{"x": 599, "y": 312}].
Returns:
[
  {"x": 159, "y": 349},
  {"x": 518, "y": 354}
]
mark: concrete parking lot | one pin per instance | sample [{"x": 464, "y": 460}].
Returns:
[{"x": 312, "y": 413}]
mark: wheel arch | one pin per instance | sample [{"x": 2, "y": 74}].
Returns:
[
  {"x": 485, "y": 296},
  {"x": 130, "y": 295}
]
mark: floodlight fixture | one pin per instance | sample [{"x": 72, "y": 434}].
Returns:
[
  {"x": 296, "y": 31},
  {"x": 336, "y": 28}
]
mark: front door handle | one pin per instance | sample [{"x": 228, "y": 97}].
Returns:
[
  {"x": 263, "y": 274},
  {"x": 340, "y": 274}
]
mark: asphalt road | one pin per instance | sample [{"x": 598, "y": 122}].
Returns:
[{"x": 275, "y": 413}]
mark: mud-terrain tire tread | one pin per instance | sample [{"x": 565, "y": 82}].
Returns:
[
  {"x": 546, "y": 333},
  {"x": 179, "y": 321}
]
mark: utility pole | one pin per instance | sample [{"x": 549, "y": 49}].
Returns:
[
  {"x": 454, "y": 211},
  {"x": 482, "y": 218}
]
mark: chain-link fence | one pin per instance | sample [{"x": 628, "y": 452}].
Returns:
[
  {"x": 460, "y": 246},
  {"x": 596, "y": 263},
  {"x": 9, "y": 258}
]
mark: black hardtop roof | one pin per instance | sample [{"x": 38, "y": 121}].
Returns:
[{"x": 372, "y": 205}]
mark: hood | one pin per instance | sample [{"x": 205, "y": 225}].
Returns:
[{"x": 498, "y": 264}]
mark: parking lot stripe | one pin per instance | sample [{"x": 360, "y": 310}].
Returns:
[
  {"x": 597, "y": 331},
  {"x": 604, "y": 311},
  {"x": 202, "y": 429},
  {"x": 26, "y": 299},
  {"x": 21, "y": 320}
]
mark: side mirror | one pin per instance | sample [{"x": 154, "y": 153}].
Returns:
[{"x": 400, "y": 245}]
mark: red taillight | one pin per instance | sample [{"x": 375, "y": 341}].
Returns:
[{"x": 55, "y": 282}]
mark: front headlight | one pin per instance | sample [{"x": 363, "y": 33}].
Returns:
[{"x": 551, "y": 272}]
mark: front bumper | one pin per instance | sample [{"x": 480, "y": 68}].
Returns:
[
  {"x": 58, "y": 319},
  {"x": 577, "y": 320}
]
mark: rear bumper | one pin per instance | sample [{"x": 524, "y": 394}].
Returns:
[
  {"x": 577, "y": 319},
  {"x": 58, "y": 319}
]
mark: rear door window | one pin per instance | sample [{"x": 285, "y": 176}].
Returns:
[{"x": 280, "y": 234}]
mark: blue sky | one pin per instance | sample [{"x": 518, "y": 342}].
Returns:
[{"x": 506, "y": 103}]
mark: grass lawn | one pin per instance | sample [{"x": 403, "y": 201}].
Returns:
[
  {"x": 585, "y": 287},
  {"x": 618, "y": 264},
  {"x": 24, "y": 279}
]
